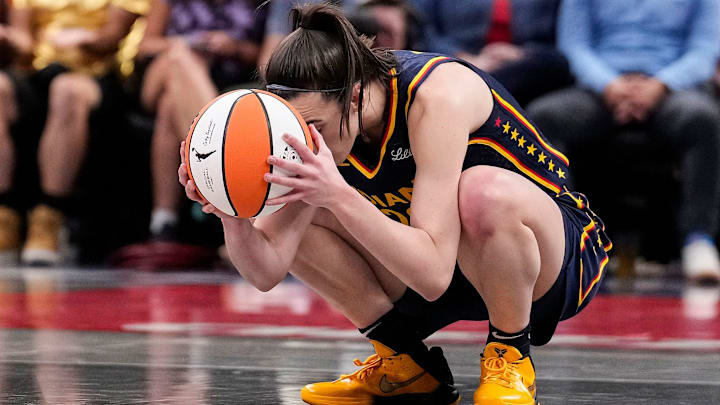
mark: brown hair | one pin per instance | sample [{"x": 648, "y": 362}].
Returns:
[{"x": 325, "y": 54}]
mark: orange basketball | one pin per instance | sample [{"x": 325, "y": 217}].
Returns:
[{"x": 228, "y": 145}]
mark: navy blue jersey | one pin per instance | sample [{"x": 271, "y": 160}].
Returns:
[{"x": 384, "y": 174}]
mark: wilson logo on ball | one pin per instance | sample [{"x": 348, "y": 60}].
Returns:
[{"x": 228, "y": 145}]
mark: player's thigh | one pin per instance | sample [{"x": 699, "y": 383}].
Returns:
[
  {"x": 493, "y": 200},
  {"x": 391, "y": 284}
]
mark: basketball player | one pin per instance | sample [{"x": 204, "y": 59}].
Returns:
[{"x": 430, "y": 199}]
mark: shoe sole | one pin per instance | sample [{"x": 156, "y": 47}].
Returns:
[
  {"x": 40, "y": 257},
  {"x": 444, "y": 395},
  {"x": 705, "y": 279}
]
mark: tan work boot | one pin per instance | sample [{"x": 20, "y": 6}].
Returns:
[
  {"x": 42, "y": 247},
  {"x": 9, "y": 236}
]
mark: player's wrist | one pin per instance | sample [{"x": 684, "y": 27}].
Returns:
[{"x": 342, "y": 198}]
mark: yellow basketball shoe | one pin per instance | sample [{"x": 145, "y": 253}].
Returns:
[
  {"x": 387, "y": 378},
  {"x": 506, "y": 378}
]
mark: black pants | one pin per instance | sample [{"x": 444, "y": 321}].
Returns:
[{"x": 687, "y": 121}]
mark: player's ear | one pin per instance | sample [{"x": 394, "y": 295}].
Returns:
[{"x": 355, "y": 98}]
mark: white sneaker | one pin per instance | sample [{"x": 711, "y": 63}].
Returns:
[{"x": 700, "y": 261}]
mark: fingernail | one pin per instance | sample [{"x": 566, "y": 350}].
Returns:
[
  {"x": 271, "y": 159},
  {"x": 285, "y": 137}
]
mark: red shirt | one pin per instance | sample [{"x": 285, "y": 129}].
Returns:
[{"x": 500, "y": 18}]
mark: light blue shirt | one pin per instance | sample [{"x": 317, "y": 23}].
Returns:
[{"x": 676, "y": 41}]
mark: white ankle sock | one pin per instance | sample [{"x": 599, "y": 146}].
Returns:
[{"x": 160, "y": 218}]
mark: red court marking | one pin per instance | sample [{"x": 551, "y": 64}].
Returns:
[{"x": 291, "y": 310}]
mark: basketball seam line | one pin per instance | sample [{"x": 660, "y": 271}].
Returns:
[
  {"x": 272, "y": 151},
  {"x": 227, "y": 124}
]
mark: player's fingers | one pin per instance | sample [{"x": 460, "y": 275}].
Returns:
[
  {"x": 182, "y": 175},
  {"x": 302, "y": 150},
  {"x": 287, "y": 198},
  {"x": 319, "y": 140},
  {"x": 182, "y": 152},
  {"x": 289, "y": 166},
  {"x": 292, "y": 182},
  {"x": 192, "y": 193}
]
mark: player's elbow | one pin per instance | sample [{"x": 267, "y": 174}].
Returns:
[
  {"x": 262, "y": 278},
  {"x": 264, "y": 284}
]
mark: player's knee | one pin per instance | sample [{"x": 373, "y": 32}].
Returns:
[{"x": 486, "y": 201}]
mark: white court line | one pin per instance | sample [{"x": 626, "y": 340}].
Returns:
[{"x": 301, "y": 370}]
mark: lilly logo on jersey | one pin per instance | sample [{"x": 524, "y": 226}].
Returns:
[{"x": 401, "y": 154}]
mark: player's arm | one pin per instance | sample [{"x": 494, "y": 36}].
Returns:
[
  {"x": 450, "y": 104},
  {"x": 263, "y": 250}
]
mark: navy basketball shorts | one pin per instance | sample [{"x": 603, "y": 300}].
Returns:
[{"x": 579, "y": 279}]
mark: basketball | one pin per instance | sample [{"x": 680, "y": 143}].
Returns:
[{"x": 228, "y": 145}]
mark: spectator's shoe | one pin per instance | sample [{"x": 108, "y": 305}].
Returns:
[
  {"x": 506, "y": 378},
  {"x": 9, "y": 236},
  {"x": 700, "y": 261},
  {"x": 387, "y": 378},
  {"x": 42, "y": 247}
]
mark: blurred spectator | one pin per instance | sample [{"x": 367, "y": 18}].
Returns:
[
  {"x": 514, "y": 40},
  {"x": 398, "y": 24},
  {"x": 642, "y": 63},
  {"x": 195, "y": 49},
  {"x": 5, "y": 51},
  {"x": 278, "y": 23},
  {"x": 71, "y": 46},
  {"x": 10, "y": 45}
]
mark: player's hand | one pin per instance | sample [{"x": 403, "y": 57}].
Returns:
[
  {"x": 191, "y": 190},
  {"x": 317, "y": 180}
]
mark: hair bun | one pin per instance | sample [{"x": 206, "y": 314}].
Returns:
[{"x": 318, "y": 17}]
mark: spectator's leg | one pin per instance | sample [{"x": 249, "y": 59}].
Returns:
[
  {"x": 9, "y": 218},
  {"x": 165, "y": 161},
  {"x": 570, "y": 118},
  {"x": 189, "y": 87},
  {"x": 154, "y": 82},
  {"x": 61, "y": 153},
  {"x": 8, "y": 113},
  {"x": 690, "y": 121},
  {"x": 186, "y": 90},
  {"x": 64, "y": 142}
]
